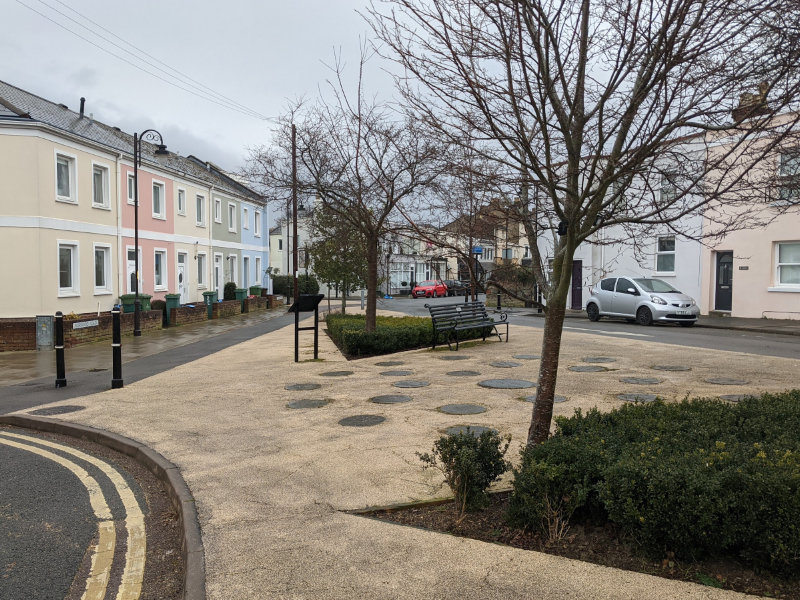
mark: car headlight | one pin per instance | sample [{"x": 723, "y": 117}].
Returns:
[
  {"x": 657, "y": 300},
  {"x": 693, "y": 303}
]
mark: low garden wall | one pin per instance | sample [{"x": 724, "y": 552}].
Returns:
[
  {"x": 184, "y": 315},
  {"x": 226, "y": 308},
  {"x": 91, "y": 327},
  {"x": 17, "y": 334}
]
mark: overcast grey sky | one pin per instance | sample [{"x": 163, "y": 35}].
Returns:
[{"x": 261, "y": 54}]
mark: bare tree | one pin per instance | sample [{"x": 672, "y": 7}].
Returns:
[{"x": 615, "y": 112}]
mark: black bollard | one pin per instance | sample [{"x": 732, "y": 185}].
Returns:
[
  {"x": 116, "y": 350},
  {"x": 498, "y": 301},
  {"x": 61, "y": 377}
]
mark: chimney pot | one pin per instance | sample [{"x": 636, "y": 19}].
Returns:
[{"x": 83, "y": 102}]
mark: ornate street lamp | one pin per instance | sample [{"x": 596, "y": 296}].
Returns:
[{"x": 150, "y": 135}]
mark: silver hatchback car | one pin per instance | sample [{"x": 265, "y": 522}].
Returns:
[{"x": 643, "y": 299}]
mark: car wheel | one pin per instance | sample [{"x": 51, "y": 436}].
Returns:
[
  {"x": 644, "y": 316},
  {"x": 593, "y": 312},
  {"x": 687, "y": 323}
]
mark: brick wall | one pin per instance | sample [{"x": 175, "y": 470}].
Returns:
[
  {"x": 17, "y": 334},
  {"x": 258, "y": 303},
  {"x": 226, "y": 308},
  {"x": 150, "y": 320},
  {"x": 186, "y": 314}
]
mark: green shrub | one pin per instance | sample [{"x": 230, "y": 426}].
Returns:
[
  {"x": 229, "y": 291},
  {"x": 162, "y": 306},
  {"x": 284, "y": 284},
  {"x": 470, "y": 464},
  {"x": 697, "y": 478}
]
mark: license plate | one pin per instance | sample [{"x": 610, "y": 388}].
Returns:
[{"x": 681, "y": 312}]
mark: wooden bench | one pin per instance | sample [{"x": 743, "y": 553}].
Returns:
[{"x": 452, "y": 319}]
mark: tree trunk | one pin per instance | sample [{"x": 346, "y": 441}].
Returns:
[
  {"x": 372, "y": 283},
  {"x": 344, "y": 298}
]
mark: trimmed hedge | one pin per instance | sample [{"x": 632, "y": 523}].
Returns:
[
  {"x": 698, "y": 478},
  {"x": 284, "y": 284}
]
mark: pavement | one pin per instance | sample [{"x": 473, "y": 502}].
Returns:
[{"x": 272, "y": 484}]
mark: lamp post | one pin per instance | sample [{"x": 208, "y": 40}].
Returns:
[{"x": 150, "y": 135}]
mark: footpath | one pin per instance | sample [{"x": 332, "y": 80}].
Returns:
[{"x": 275, "y": 453}]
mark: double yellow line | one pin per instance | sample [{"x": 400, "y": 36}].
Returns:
[{"x": 130, "y": 587}]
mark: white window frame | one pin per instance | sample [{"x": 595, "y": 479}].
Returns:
[
  {"x": 131, "y": 190},
  {"x": 778, "y": 285},
  {"x": 280, "y": 244},
  {"x": 202, "y": 257},
  {"x": 234, "y": 269},
  {"x": 72, "y": 169},
  {"x": 106, "y": 289},
  {"x": 257, "y": 223},
  {"x": 231, "y": 217},
  {"x": 106, "y": 192},
  {"x": 200, "y": 218},
  {"x": 258, "y": 279},
  {"x": 164, "y": 285},
  {"x": 180, "y": 193},
  {"x": 245, "y": 217},
  {"x": 672, "y": 252},
  {"x": 788, "y": 179},
  {"x": 162, "y": 214},
  {"x": 488, "y": 253},
  {"x": 75, "y": 289},
  {"x": 667, "y": 187},
  {"x": 217, "y": 210}
]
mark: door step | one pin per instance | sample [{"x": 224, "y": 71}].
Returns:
[{"x": 719, "y": 313}]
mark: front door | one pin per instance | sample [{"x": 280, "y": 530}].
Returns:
[
  {"x": 218, "y": 275},
  {"x": 723, "y": 298},
  {"x": 131, "y": 271},
  {"x": 577, "y": 285},
  {"x": 246, "y": 273},
  {"x": 183, "y": 289}
]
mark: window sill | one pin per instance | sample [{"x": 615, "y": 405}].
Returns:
[
  {"x": 160, "y": 288},
  {"x": 103, "y": 292},
  {"x": 68, "y": 294},
  {"x": 181, "y": 214},
  {"x": 102, "y": 207},
  {"x": 66, "y": 200},
  {"x": 202, "y": 225},
  {"x": 202, "y": 287},
  {"x": 258, "y": 235},
  {"x": 160, "y": 217},
  {"x": 785, "y": 289},
  {"x": 664, "y": 273},
  {"x": 232, "y": 231},
  {"x": 131, "y": 201},
  {"x": 218, "y": 221}
]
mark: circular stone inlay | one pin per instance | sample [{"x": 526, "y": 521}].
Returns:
[
  {"x": 362, "y": 420},
  {"x": 637, "y": 397},
  {"x": 506, "y": 384},
  {"x": 640, "y": 380},
  {"x": 336, "y": 373},
  {"x": 671, "y": 368},
  {"x": 411, "y": 383},
  {"x": 303, "y": 387},
  {"x": 398, "y": 373},
  {"x": 463, "y": 373},
  {"x": 475, "y": 430},
  {"x": 56, "y": 410},
  {"x": 598, "y": 359},
  {"x": 556, "y": 399},
  {"x": 505, "y": 364},
  {"x": 526, "y": 356},
  {"x": 389, "y": 363},
  {"x": 462, "y": 409},
  {"x": 390, "y": 399},
  {"x": 726, "y": 381},
  {"x": 454, "y": 357},
  {"x": 308, "y": 403},
  {"x": 734, "y": 397},
  {"x": 588, "y": 368}
]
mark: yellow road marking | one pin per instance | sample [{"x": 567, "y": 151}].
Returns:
[
  {"x": 104, "y": 551},
  {"x": 130, "y": 587}
]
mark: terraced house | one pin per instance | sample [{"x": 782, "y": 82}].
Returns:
[{"x": 67, "y": 213}]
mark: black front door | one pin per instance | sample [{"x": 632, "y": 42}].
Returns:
[
  {"x": 724, "y": 294},
  {"x": 577, "y": 287}
]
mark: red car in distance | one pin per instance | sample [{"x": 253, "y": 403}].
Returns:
[{"x": 429, "y": 289}]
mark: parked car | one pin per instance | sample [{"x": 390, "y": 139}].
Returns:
[
  {"x": 643, "y": 299},
  {"x": 455, "y": 287},
  {"x": 429, "y": 289}
]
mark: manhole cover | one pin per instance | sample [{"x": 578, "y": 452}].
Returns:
[
  {"x": 308, "y": 403},
  {"x": 598, "y": 359},
  {"x": 454, "y": 357},
  {"x": 398, "y": 373},
  {"x": 526, "y": 356},
  {"x": 556, "y": 399},
  {"x": 463, "y": 373},
  {"x": 671, "y": 368},
  {"x": 390, "y": 399},
  {"x": 336, "y": 373},
  {"x": 411, "y": 383},
  {"x": 389, "y": 363},
  {"x": 734, "y": 397},
  {"x": 726, "y": 381},
  {"x": 302, "y": 387},
  {"x": 506, "y": 384},
  {"x": 475, "y": 430},
  {"x": 505, "y": 364},
  {"x": 637, "y": 397},
  {"x": 56, "y": 410},
  {"x": 640, "y": 380},
  {"x": 588, "y": 368},
  {"x": 462, "y": 409},
  {"x": 362, "y": 421}
]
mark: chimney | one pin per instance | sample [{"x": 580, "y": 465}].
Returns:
[
  {"x": 83, "y": 101},
  {"x": 752, "y": 105}
]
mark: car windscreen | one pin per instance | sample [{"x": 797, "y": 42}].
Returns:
[
  {"x": 427, "y": 284},
  {"x": 656, "y": 286}
]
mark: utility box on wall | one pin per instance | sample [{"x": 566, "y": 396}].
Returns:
[{"x": 44, "y": 332}]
